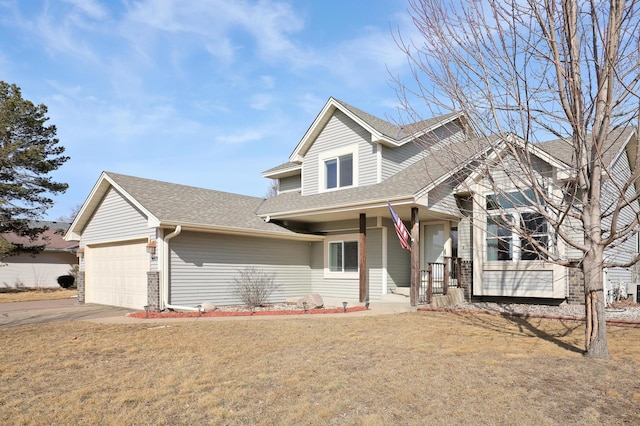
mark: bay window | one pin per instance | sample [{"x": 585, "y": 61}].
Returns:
[{"x": 514, "y": 227}]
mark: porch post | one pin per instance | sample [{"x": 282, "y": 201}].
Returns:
[
  {"x": 415, "y": 256},
  {"x": 362, "y": 260}
]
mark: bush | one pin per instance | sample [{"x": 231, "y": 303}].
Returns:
[
  {"x": 254, "y": 286},
  {"x": 66, "y": 281}
]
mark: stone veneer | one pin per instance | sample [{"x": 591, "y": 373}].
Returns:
[
  {"x": 576, "y": 287},
  {"x": 466, "y": 278},
  {"x": 80, "y": 286},
  {"x": 153, "y": 290}
]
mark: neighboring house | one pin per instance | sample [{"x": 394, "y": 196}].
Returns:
[
  {"x": 328, "y": 230},
  {"x": 41, "y": 270}
]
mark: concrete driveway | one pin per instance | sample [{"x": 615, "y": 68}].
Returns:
[{"x": 45, "y": 311}]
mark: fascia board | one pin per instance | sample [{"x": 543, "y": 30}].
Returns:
[
  {"x": 240, "y": 231},
  {"x": 412, "y": 137},
  {"x": 313, "y": 130},
  {"x": 97, "y": 192},
  {"x": 322, "y": 119},
  {"x": 341, "y": 208},
  {"x": 289, "y": 171},
  {"x": 93, "y": 200}
]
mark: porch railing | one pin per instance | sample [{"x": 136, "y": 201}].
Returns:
[{"x": 439, "y": 277}]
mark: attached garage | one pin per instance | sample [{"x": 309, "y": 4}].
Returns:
[{"x": 116, "y": 274}]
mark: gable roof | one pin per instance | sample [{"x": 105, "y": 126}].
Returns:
[
  {"x": 168, "y": 205},
  {"x": 615, "y": 144},
  {"x": 408, "y": 184},
  {"x": 52, "y": 239},
  {"x": 381, "y": 131}
]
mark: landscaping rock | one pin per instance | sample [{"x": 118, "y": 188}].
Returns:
[
  {"x": 208, "y": 307},
  {"x": 314, "y": 301}
]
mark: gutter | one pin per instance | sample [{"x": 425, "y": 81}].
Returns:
[{"x": 165, "y": 272}]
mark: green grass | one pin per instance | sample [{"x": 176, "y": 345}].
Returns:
[{"x": 422, "y": 368}]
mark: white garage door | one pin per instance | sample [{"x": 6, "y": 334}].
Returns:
[{"x": 116, "y": 274}]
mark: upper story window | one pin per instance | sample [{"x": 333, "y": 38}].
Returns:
[
  {"x": 338, "y": 168},
  {"x": 339, "y": 172},
  {"x": 504, "y": 242}
]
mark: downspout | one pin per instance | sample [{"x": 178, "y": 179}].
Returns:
[{"x": 165, "y": 272}]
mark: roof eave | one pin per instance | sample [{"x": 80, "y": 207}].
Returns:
[
  {"x": 340, "y": 208},
  {"x": 241, "y": 231}
]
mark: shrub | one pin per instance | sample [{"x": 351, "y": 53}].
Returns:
[
  {"x": 254, "y": 286},
  {"x": 66, "y": 281}
]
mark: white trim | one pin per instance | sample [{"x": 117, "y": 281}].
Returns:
[
  {"x": 336, "y": 238},
  {"x": 383, "y": 271},
  {"x": 379, "y": 163},
  {"x": 335, "y": 153}
]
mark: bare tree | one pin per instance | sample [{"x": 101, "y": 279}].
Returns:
[
  {"x": 272, "y": 190},
  {"x": 523, "y": 72}
]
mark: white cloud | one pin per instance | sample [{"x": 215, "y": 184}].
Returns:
[
  {"x": 91, "y": 8},
  {"x": 244, "y": 136},
  {"x": 261, "y": 101}
]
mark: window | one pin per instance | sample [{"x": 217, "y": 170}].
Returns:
[
  {"x": 503, "y": 241},
  {"x": 343, "y": 256},
  {"x": 339, "y": 171}
]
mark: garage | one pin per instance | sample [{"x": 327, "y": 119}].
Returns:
[{"x": 116, "y": 274}]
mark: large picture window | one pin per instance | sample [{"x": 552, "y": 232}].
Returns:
[
  {"x": 339, "y": 171},
  {"x": 504, "y": 242},
  {"x": 343, "y": 256}
]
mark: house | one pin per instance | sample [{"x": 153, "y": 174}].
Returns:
[
  {"x": 329, "y": 229},
  {"x": 22, "y": 269}
]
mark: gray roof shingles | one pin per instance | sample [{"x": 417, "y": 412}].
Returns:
[
  {"x": 181, "y": 204},
  {"x": 563, "y": 150},
  {"x": 406, "y": 183}
]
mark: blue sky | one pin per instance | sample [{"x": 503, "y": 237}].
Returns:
[{"x": 208, "y": 93}]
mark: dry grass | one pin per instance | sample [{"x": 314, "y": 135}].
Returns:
[
  {"x": 31, "y": 295},
  {"x": 425, "y": 368}
]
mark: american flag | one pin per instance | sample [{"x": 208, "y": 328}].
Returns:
[{"x": 401, "y": 230}]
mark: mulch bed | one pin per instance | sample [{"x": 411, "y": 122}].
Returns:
[{"x": 173, "y": 314}]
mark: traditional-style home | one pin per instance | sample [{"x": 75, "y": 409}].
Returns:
[
  {"x": 24, "y": 269},
  {"x": 351, "y": 186}
]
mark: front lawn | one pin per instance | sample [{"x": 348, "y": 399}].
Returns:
[
  {"x": 12, "y": 295},
  {"x": 420, "y": 368}
]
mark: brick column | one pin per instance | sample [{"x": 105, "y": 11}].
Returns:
[
  {"x": 153, "y": 290},
  {"x": 80, "y": 286},
  {"x": 576, "y": 287},
  {"x": 466, "y": 278}
]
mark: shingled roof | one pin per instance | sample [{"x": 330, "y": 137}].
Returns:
[
  {"x": 407, "y": 183},
  {"x": 170, "y": 204},
  {"x": 563, "y": 149},
  {"x": 51, "y": 239},
  {"x": 393, "y": 131}
]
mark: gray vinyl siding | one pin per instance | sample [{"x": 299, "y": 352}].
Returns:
[
  {"x": 339, "y": 132},
  {"x": 398, "y": 260},
  {"x": 203, "y": 266},
  {"x": 465, "y": 239},
  {"x": 395, "y": 159},
  {"x": 516, "y": 283},
  {"x": 442, "y": 200},
  {"x": 349, "y": 288},
  {"x": 116, "y": 219},
  {"x": 290, "y": 183},
  {"x": 625, "y": 250}
]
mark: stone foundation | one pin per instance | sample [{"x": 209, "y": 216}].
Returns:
[{"x": 466, "y": 278}]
